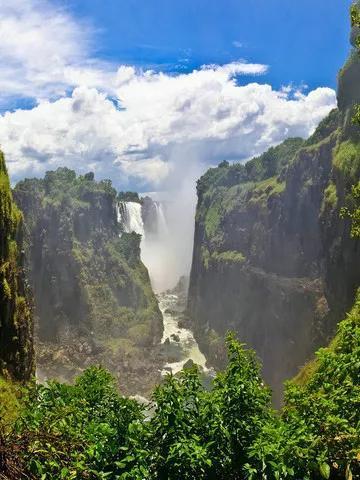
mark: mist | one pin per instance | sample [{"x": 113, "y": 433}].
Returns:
[{"x": 168, "y": 254}]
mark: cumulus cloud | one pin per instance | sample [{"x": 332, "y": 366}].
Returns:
[
  {"x": 143, "y": 129},
  {"x": 133, "y": 136},
  {"x": 44, "y": 51}
]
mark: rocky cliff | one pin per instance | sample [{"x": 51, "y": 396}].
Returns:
[
  {"x": 16, "y": 336},
  {"x": 273, "y": 259},
  {"x": 93, "y": 298}
]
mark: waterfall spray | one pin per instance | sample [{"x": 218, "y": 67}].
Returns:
[{"x": 130, "y": 216}]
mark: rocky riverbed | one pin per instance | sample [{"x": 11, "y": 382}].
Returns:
[{"x": 136, "y": 370}]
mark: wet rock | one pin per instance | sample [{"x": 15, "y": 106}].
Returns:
[{"x": 189, "y": 364}]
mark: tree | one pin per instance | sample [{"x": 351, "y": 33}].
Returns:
[{"x": 353, "y": 212}]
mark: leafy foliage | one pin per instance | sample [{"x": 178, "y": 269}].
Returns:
[
  {"x": 318, "y": 432},
  {"x": 355, "y": 21},
  {"x": 353, "y": 212},
  {"x": 89, "y": 431},
  {"x": 128, "y": 197},
  {"x": 76, "y": 431},
  {"x": 355, "y": 24}
]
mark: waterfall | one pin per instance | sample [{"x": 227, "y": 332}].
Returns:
[
  {"x": 130, "y": 216},
  {"x": 161, "y": 224},
  {"x": 149, "y": 220}
]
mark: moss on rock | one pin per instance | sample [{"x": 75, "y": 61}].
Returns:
[{"x": 16, "y": 347}]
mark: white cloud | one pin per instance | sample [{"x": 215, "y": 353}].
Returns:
[
  {"x": 44, "y": 52},
  {"x": 204, "y": 109},
  {"x": 157, "y": 130}
]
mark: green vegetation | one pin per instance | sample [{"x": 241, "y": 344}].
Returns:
[
  {"x": 16, "y": 353},
  {"x": 330, "y": 195},
  {"x": 230, "y": 189},
  {"x": 355, "y": 21},
  {"x": 89, "y": 431},
  {"x": 265, "y": 189},
  {"x": 320, "y": 423},
  {"x": 228, "y": 257},
  {"x": 355, "y": 24},
  {"x": 128, "y": 197},
  {"x": 325, "y": 128},
  {"x": 353, "y": 212},
  {"x": 10, "y": 403},
  {"x": 347, "y": 159},
  {"x": 212, "y": 219},
  {"x": 259, "y": 168},
  {"x": 273, "y": 160}
]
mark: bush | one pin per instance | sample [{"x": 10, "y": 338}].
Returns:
[{"x": 230, "y": 432}]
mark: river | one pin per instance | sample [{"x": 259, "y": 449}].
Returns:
[{"x": 179, "y": 342}]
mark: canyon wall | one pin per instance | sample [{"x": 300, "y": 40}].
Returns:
[
  {"x": 93, "y": 298},
  {"x": 273, "y": 259}
]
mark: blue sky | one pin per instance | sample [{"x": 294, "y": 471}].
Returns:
[
  {"x": 119, "y": 86},
  {"x": 303, "y": 41}
]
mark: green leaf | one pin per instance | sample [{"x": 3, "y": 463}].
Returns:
[
  {"x": 348, "y": 473},
  {"x": 325, "y": 470}
]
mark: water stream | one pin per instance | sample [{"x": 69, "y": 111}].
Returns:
[{"x": 180, "y": 342}]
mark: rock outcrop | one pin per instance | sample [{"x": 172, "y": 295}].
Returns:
[
  {"x": 16, "y": 322},
  {"x": 93, "y": 297},
  {"x": 273, "y": 259}
]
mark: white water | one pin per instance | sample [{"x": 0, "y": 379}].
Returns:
[
  {"x": 129, "y": 214},
  {"x": 155, "y": 253},
  {"x": 181, "y": 340},
  {"x": 162, "y": 226}
]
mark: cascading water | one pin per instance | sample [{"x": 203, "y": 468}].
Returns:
[
  {"x": 161, "y": 227},
  {"x": 178, "y": 341},
  {"x": 130, "y": 216}
]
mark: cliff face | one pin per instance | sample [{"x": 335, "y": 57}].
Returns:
[
  {"x": 16, "y": 338},
  {"x": 93, "y": 298},
  {"x": 273, "y": 259}
]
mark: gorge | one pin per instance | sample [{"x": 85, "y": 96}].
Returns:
[
  {"x": 118, "y": 361},
  {"x": 268, "y": 238}
]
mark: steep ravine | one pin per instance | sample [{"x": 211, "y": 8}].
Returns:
[{"x": 178, "y": 346}]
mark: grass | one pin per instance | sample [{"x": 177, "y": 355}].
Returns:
[
  {"x": 228, "y": 257},
  {"x": 10, "y": 402},
  {"x": 330, "y": 195},
  {"x": 266, "y": 189},
  {"x": 212, "y": 219},
  {"x": 347, "y": 160}
]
